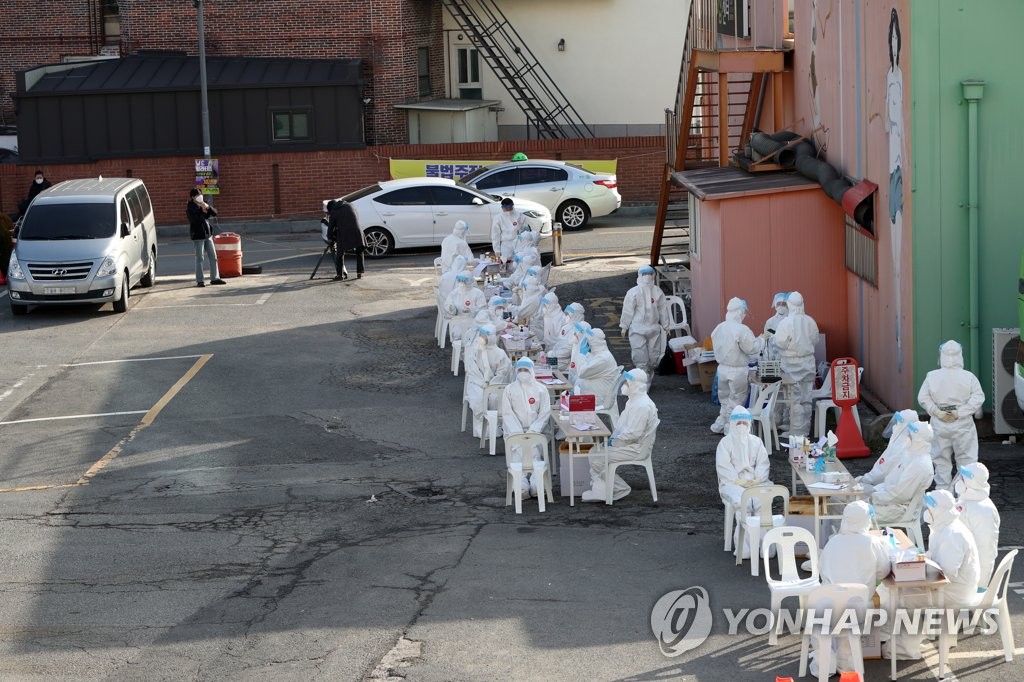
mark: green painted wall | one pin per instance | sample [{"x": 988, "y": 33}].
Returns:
[{"x": 953, "y": 41}]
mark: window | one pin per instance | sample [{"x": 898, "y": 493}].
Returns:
[
  {"x": 861, "y": 252},
  {"x": 468, "y": 76},
  {"x": 292, "y": 125},
  {"x": 407, "y": 196},
  {"x": 452, "y": 196},
  {"x": 504, "y": 178},
  {"x": 539, "y": 176},
  {"x": 144, "y": 202},
  {"x": 126, "y": 214},
  {"x": 135, "y": 206},
  {"x": 423, "y": 70},
  {"x": 694, "y": 205}
]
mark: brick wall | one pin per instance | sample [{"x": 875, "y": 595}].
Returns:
[
  {"x": 304, "y": 179},
  {"x": 386, "y": 33}
]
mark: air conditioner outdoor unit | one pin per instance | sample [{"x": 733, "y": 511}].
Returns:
[{"x": 1007, "y": 415}]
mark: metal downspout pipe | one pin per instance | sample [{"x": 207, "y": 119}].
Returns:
[{"x": 973, "y": 91}]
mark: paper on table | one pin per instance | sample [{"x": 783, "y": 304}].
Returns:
[
  {"x": 827, "y": 486},
  {"x": 479, "y": 269},
  {"x": 506, "y": 336},
  {"x": 552, "y": 382},
  {"x": 583, "y": 426}
]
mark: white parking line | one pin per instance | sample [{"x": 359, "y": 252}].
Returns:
[
  {"x": 17, "y": 384},
  {"x": 111, "y": 362},
  {"x": 73, "y": 416},
  {"x": 3, "y": 293}
]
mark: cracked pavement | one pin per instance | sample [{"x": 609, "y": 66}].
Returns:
[{"x": 306, "y": 507}]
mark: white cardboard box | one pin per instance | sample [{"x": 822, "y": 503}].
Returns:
[
  {"x": 580, "y": 474},
  {"x": 907, "y": 571}
]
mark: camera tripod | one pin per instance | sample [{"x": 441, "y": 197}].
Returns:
[{"x": 327, "y": 249}]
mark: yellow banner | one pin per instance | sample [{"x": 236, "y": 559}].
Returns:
[{"x": 453, "y": 170}]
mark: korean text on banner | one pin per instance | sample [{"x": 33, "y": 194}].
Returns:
[
  {"x": 208, "y": 175},
  {"x": 455, "y": 170}
]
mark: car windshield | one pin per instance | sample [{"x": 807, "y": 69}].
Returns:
[
  {"x": 483, "y": 195},
  {"x": 475, "y": 174},
  {"x": 68, "y": 221}
]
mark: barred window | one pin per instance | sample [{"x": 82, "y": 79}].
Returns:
[{"x": 861, "y": 252}]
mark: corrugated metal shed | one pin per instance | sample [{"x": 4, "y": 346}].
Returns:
[{"x": 722, "y": 183}]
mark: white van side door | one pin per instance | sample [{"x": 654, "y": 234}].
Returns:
[{"x": 131, "y": 245}]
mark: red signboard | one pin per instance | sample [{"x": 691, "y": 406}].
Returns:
[
  {"x": 846, "y": 394},
  {"x": 845, "y": 391},
  {"x": 582, "y": 403}
]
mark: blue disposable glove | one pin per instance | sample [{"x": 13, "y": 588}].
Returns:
[{"x": 610, "y": 440}]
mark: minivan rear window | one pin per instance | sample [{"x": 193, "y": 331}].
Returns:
[{"x": 68, "y": 221}]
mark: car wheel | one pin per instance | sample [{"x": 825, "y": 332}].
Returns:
[
  {"x": 149, "y": 279},
  {"x": 379, "y": 242},
  {"x": 121, "y": 304},
  {"x": 572, "y": 214},
  {"x": 18, "y": 308}
]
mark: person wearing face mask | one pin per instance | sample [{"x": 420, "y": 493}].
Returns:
[
  {"x": 455, "y": 244},
  {"x": 446, "y": 282},
  {"x": 781, "y": 310},
  {"x": 741, "y": 462},
  {"x": 39, "y": 184},
  {"x": 554, "y": 318},
  {"x": 734, "y": 343},
  {"x": 462, "y": 304},
  {"x": 980, "y": 515},
  {"x": 910, "y": 477},
  {"x": 469, "y": 337},
  {"x": 199, "y": 212},
  {"x": 597, "y": 373},
  {"x": 631, "y": 439},
  {"x": 563, "y": 347},
  {"x": 529, "y": 305},
  {"x": 580, "y": 333},
  {"x": 497, "y": 308},
  {"x": 796, "y": 339},
  {"x": 525, "y": 264},
  {"x": 487, "y": 365},
  {"x": 951, "y": 395},
  {"x": 526, "y": 408},
  {"x": 851, "y": 556},
  {"x": 506, "y": 227},
  {"x": 899, "y": 437},
  {"x": 645, "y": 319},
  {"x": 526, "y": 242},
  {"x": 952, "y": 547},
  {"x": 343, "y": 229}
]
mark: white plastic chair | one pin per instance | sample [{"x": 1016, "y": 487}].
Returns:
[
  {"x": 644, "y": 461},
  {"x": 492, "y": 418},
  {"x": 834, "y": 600},
  {"x": 677, "y": 311},
  {"x": 730, "y": 519},
  {"x": 785, "y": 539},
  {"x": 821, "y": 399},
  {"x": 994, "y": 597},
  {"x": 514, "y": 471},
  {"x": 912, "y": 521},
  {"x": 762, "y": 410},
  {"x": 437, "y": 267},
  {"x": 456, "y": 355},
  {"x": 609, "y": 405},
  {"x": 754, "y": 526},
  {"x": 465, "y": 401}
]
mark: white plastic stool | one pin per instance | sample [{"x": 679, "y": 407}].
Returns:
[{"x": 456, "y": 355}]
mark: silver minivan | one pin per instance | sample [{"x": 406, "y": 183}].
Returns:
[{"x": 84, "y": 241}]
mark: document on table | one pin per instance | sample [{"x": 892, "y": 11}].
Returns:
[
  {"x": 827, "y": 486},
  {"x": 584, "y": 426},
  {"x": 552, "y": 382},
  {"x": 479, "y": 269}
]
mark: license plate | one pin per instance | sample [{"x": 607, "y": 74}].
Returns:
[{"x": 55, "y": 291}]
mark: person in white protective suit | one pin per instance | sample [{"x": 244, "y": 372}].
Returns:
[
  {"x": 741, "y": 462},
  {"x": 912, "y": 475},
  {"x": 580, "y": 333},
  {"x": 462, "y": 304},
  {"x": 645, "y": 319},
  {"x": 631, "y": 439},
  {"x": 497, "y": 307},
  {"x": 446, "y": 282},
  {"x": 562, "y": 349},
  {"x": 796, "y": 339},
  {"x": 734, "y": 343},
  {"x": 597, "y": 373},
  {"x": 781, "y": 310},
  {"x": 530, "y": 305},
  {"x": 899, "y": 437},
  {"x": 851, "y": 556},
  {"x": 951, "y": 395},
  {"x": 526, "y": 264},
  {"x": 526, "y": 242},
  {"x": 952, "y": 547},
  {"x": 506, "y": 227},
  {"x": 554, "y": 318},
  {"x": 469, "y": 338},
  {"x": 455, "y": 244},
  {"x": 980, "y": 515},
  {"x": 526, "y": 408},
  {"x": 487, "y": 365}
]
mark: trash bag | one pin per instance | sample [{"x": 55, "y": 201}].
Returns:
[{"x": 714, "y": 391}]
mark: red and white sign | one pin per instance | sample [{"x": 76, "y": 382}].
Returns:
[
  {"x": 845, "y": 391},
  {"x": 582, "y": 403},
  {"x": 846, "y": 394}
]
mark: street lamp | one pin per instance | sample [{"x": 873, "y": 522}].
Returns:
[{"x": 204, "y": 102}]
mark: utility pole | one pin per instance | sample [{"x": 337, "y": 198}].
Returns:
[{"x": 198, "y": 4}]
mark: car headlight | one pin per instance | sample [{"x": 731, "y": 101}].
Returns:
[
  {"x": 107, "y": 267},
  {"x": 532, "y": 214},
  {"x": 14, "y": 268}
]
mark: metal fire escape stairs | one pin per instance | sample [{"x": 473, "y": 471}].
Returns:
[
  {"x": 705, "y": 126},
  {"x": 547, "y": 109}
]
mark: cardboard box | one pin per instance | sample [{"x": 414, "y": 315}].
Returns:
[
  {"x": 908, "y": 571},
  {"x": 580, "y": 470},
  {"x": 707, "y": 374},
  {"x": 871, "y": 643},
  {"x": 801, "y": 515}
]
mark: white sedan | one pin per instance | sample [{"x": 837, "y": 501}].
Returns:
[
  {"x": 412, "y": 212},
  {"x": 573, "y": 194}
]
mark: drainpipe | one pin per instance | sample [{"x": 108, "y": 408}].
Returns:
[{"x": 973, "y": 90}]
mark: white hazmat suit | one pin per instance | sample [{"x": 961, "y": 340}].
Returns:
[
  {"x": 526, "y": 408},
  {"x": 446, "y": 282},
  {"x": 529, "y": 305},
  {"x": 462, "y": 305},
  {"x": 890, "y": 457},
  {"x": 455, "y": 245},
  {"x": 554, "y": 319},
  {"x": 851, "y": 556},
  {"x": 506, "y": 227},
  {"x": 796, "y": 339},
  {"x": 734, "y": 343},
  {"x": 597, "y": 373},
  {"x": 952, "y": 547},
  {"x": 903, "y": 486},
  {"x": 489, "y": 366},
  {"x": 951, "y": 395},
  {"x": 980, "y": 515},
  {"x": 781, "y": 310},
  {"x": 741, "y": 462},
  {"x": 632, "y": 439},
  {"x": 645, "y": 318},
  {"x": 562, "y": 349}
]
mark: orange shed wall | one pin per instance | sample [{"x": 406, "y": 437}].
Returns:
[{"x": 754, "y": 246}]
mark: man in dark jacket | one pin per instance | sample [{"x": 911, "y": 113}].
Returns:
[
  {"x": 38, "y": 185},
  {"x": 344, "y": 231},
  {"x": 201, "y": 233}
]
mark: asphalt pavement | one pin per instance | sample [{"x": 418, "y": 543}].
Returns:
[{"x": 267, "y": 480}]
